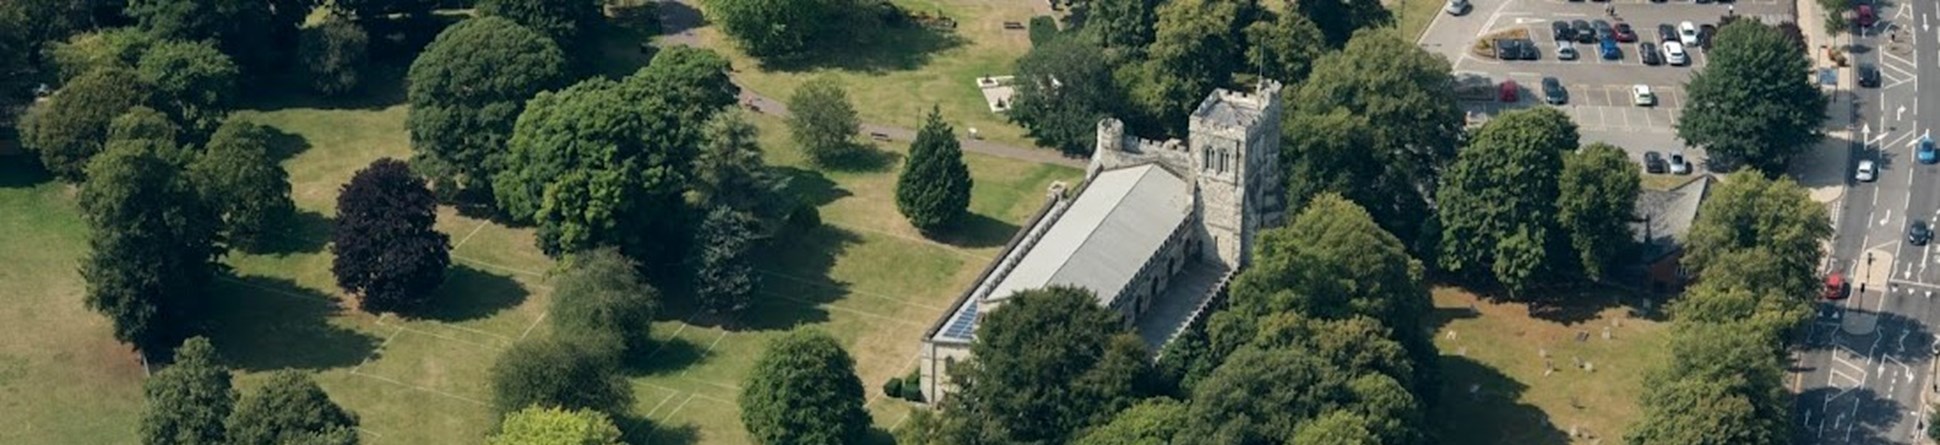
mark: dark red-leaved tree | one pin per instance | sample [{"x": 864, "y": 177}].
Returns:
[{"x": 387, "y": 251}]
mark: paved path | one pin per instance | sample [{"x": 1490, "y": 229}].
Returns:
[{"x": 681, "y": 17}]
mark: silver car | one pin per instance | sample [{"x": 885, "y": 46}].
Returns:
[{"x": 1867, "y": 171}]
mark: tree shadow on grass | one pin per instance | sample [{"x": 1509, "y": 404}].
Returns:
[
  {"x": 865, "y": 158},
  {"x": 1490, "y": 413},
  {"x": 470, "y": 293},
  {"x": 641, "y": 430},
  {"x": 1577, "y": 304},
  {"x": 888, "y": 48},
  {"x": 672, "y": 354},
  {"x": 795, "y": 282},
  {"x": 812, "y": 188},
  {"x": 1443, "y": 316},
  {"x": 304, "y": 231},
  {"x": 977, "y": 231},
  {"x": 264, "y": 323},
  {"x": 20, "y": 171},
  {"x": 284, "y": 145}
]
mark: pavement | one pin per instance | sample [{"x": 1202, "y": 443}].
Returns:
[{"x": 679, "y": 19}]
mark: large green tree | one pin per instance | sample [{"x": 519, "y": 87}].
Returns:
[
  {"x": 334, "y": 55},
  {"x": 1724, "y": 383},
  {"x": 1754, "y": 102},
  {"x": 1064, "y": 87},
  {"x": 554, "y": 426},
  {"x": 557, "y": 374},
  {"x": 730, "y": 171},
  {"x": 1049, "y": 363},
  {"x": 600, "y": 300},
  {"x": 933, "y": 191},
  {"x": 1389, "y": 97},
  {"x": 1596, "y": 199},
  {"x": 193, "y": 82},
  {"x": 68, "y": 129},
  {"x": 803, "y": 390},
  {"x": 1120, "y": 25},
  {"x": 823, "y": 121},
  {"x": 725, "y": 281},
  {"x": 467, "y": 89},
  {"x": 1503, "y": 188},
  {"x": 1197, "y": 48},
  {"x": 188, "y": 400},
  {"x": 387, "y": 249},
  {"x": 1773, "y": 223},
  {"x": 569, "y": 23},
  {"x": 255, "y": 32},
  {"x": 1267, "y": 395},
  {"x": 1283, "y": 47},
  {"x": 1339, "y": 20},
  {"x": 236, "y": 175},
  {"x": 290, "y": 408},
  {"x": 152, "y": 247},
  {"x": 87, "y": 52},
  {"x": 1154, "y": 421},
  {"x": 791, "y": 30}
]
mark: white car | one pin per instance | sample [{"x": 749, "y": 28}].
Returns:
[
  {"x": 1641, "y": 96},
  {"x": 1867, "y": 171},
  {"x": 1679, "y": 166},
  {"x": 1566, "y": 51},
  {"x": 1687, "y": 33},
  {"x": 1456, "y": 7},
  {"x": 1674, "y": 53}
]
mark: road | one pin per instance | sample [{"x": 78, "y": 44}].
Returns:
[{"x": 1866, "y": 369}]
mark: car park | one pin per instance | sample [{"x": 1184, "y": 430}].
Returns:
[
  {"x": 1622, "y": 32},
  {"x": 1666, "y": 33},
  {"x": 1640, "y": 95},
  {"x": 1687, "y": 32},
  {"x": 1584, "y": 33},
  {"x": 1647, "y": 53},
  {"x": 1507, "y": 92},
  {"x": 1566, "y": 51},
  {"x": 1674, "y": 53},
  {"x": 1679, "y": 166},
  {"x": 1553, "y": 92},
  {"x": 1609, "y": 50},
  {"x": 1919, "y": 233},
  {"x": 1654, "y": 163},
  {"x": 1562, "y": 31},
  {"x": 1868, "y": 75},
  {"x": 1867, "y": 171}
]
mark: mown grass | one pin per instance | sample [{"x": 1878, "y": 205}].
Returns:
[
  {"x": 1412, "y": 17},
  {"x": 1495, "y": 389}
]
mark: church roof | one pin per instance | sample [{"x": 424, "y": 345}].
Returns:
[{"x": 1120, "y": 220}]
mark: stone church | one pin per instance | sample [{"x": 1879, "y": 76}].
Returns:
[{"x": 1156, "y": 231}]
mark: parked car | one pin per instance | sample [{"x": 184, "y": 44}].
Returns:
[
  {"x": 1623, "y": 33},
  {"x": 1654, "y": 163},
  {"x": 1867, "y": 171},
  {"x": 1647, "y": 52},
  {"x": 1507, "y": 92},
  {"x": 1704, "y": 34},
  {"x": 1919, "y": 233},
  {"x": 1866, "y": 17},
  {"x": 1678, "y": 165},
  {"x": 1508, "y": 49},
  {"x": 1868, "y": 75},
  {"x": 1610, "y": 50},
  {"x": 1566, "y": 51},
  {"x": 1674, "y": 53},
  {"x": 1687, "y": 32},
  {"x": 1603, "y": 30},
  {"x": 1562, "y": 31},
  {"x": 1641, "y": 95},
  {"x": 1585, "y": 34},
  {"x": 1553, "y": 92},
  {"x": 1925, "y": 153},
  {"x": 1528, "y": 50},
  {"x": 1836, "y": 288},
  {"x": 1666, "y": 33}
]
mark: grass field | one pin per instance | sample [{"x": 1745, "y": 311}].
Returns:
[
  {"x": 1412, "y": 17},
  {"x": 865, "y": 277},
  {"x": 1496, "y": 350},
  {"x": 895, "y": 77}
]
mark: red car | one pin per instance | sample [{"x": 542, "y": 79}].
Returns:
[
  {"x": 1866, "y": 17},
  {"x": 1509, "y": 91},
  {"x": 1835, "y": 286},
  {"x": 1622, "y": 32}
]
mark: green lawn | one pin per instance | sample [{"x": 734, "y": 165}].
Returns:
[
  {"x": 866, "y": 277},
  {"x": 1496, "y": 350},
  {"x": 1412, "y": 17},
  {"x": 894, "y": 79}
]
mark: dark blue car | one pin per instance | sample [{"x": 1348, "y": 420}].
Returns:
[{"x": 1609, "y": 49}]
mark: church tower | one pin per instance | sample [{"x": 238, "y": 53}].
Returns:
[{"x": 1235, "y": 151}]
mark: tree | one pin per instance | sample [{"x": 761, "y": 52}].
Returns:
[
  {"x": 1336, "y": 428},
  {"x": 88, "y": 52},
  {"x": 731, "y": 172},
  {"x": 1341, "y": 19},
  {"x": 1064, "y": 113},
  {"x": 255, "y": 32},
  {"x": 291, "y": 408},
  {"x": 387, "y": 248},
  {"x": 1503, "y": 188},
  {"x": 152, "y": 247},
  {"x": 554, "y": 426},
  {"x": 1755, "y": 102},
  {"x": 1198, "y": 46},
  {"x": 467, "y": 89},
  {"x": 1151, "y": 422},
  {"x": 1283, "y": 47},
  {"x": 1049, "y": 363},
  {"x": 188, "y": 400},
  {"x": 567, "y": 22},
  {"x": 1399, "y": 100},
  {"x": 372, "y": 9},
  {"x": 823, "y": 122},
  {"x": 803, "y": 390},
  {"x": 237, "y": 176},
  {"x": 67, "y": 130},
  {"x": 933, "y": 192},
  {"x": 1775, "y": 220},
  {"x": 558, "y": 374},
  {"x": 790, "y": 30},
  {"x": 1265, "y": 395},
  {"x": 1724, "y": 384},
  {"x": 1596, "y": 199},
  {"x": 145, "y": 124},
  {"x": 601, "y": 301},
  {"x": 194, "y": 83},
  {"x": 726, "y": 280},
  {"x": 334, "y": 54},
  {"x": 1120, "y": 25}
]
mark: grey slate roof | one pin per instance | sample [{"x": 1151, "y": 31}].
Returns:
[
  {"x": 1217, "y": 109},
  {"x": 1111, "y": 229},
  {"x": 1663, "y": 217}
]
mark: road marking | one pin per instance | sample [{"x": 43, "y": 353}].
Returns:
[{"x": 1889, "y": 212}]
